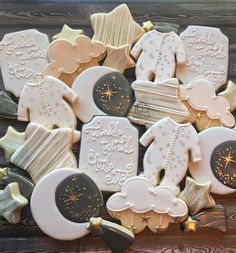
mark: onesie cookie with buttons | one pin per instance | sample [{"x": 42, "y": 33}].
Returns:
[
  {"x": 156, "y": 53},
  {"x": 46, "y": 103}
]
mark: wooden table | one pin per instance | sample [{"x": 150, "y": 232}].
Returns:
[{"x": 48, "y": 17}]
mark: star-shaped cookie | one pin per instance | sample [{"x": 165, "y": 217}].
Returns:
[
  {"x": 118, "y": 58},
  {"x": 11, "y": 203},
  {"x": 197, "y": 196},
  {"x": 230, "y": 94},
  {"x": 11, "y": 141},
  {"x": 68, "y": 34}
]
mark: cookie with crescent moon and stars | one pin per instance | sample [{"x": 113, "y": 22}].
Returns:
[
  {"x": 63, "y": 201},
  {"x": 218, "y": 163},
  {"x": 113, "y": 95},
  {"x": 102, "y": 91}
]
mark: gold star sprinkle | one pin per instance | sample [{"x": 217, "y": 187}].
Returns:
[
  {"x": 148, "y": 26},
  {"x": 190, "y": 225},
  {"x": 198, "y": 115},
  {"x": 228, "y": 159},
  {"x": 109, "y": 93}
]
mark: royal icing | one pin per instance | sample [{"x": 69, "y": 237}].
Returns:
[
  {"x": 206, "y": 55},
  {"x": 169, "y": 145},
  {"x": 109, "y": 151},
  {"x": 156, "y": 53},
  {"x": 44, "y": 103},
  {"x": 23, "y": 57}
]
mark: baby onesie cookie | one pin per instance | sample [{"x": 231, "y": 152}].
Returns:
[
  {"x": 230, "y": 94},
  {"x": 68, "y": 34},
  {"x": 201, "y": 97},
  {"x": 66, "y": 57},
  {"x": 44, "y": 150},
  {"x": 155, "y": 53},
  {"x": 197, "y": 196},
  {"x": 11, "y": 141},
  {"x": 206, "y": 55},
  {"x": 169, "y": 146},
  {"x": 72, "y": 198},
  {"x": 11, "y": 203},
  {"x": 217, "y": 165},
  {"x": 23, "y": 57},
  {"x": 109, "y": 151},
  {"x": 155, "y": 101},
  {"x": 46, "y": 103},
  {"x": 118, "y": 31},
  {"x": 8, "y": 108},
  {"x": 101, "y": 91},
  {"x": 140, "y": 204}
]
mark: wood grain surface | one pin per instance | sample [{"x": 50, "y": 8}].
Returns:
[{"x": 48, "y": 17}]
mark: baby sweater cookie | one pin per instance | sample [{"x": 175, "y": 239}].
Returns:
[
  {"x": 140, "y": 204},
  {"x": 205, "y": 106},
  {"x": 44, "y": 150},
  {"x": 206, "y": 55},
  {"x": 156, "y": 53},
  {"x": 155, "y": 101},
  {"x": 118, "y": 31},
  {"x": 109, "y": 151},
  {"x": 102, "y": 91},
  {"x": 46, "y": 103},
  {"x": 23, "y": 56},
  {"x": 63, "y": 202},
  {"x": 217, "y": 165},
  {"x": 169, "y": 145},
  {"x": 66, "y": 57}
]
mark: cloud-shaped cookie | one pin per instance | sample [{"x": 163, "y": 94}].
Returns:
[
  {"x": 200, "y": 94},
  {"x": 65, "y": 57},
  {"x": 139, "y": 195}
]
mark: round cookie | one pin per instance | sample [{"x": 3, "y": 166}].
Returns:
[
  {"x": 217, "y": 163},
  {"x": 45, "y": 206},
  {"x": 113, "y": 95}
]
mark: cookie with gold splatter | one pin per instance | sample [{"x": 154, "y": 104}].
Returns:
[
  {"x": 223, "y": 163},
  {"x": 78, "y": 198},
  {"x": 113, "y": 95}
]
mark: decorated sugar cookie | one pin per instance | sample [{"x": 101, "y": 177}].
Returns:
[
  {"x": 63, "y": 202},
  {"x": 11, "y": 203},
  {"x": 139, "y": 204},
  {"x": 109, "y": 151},
  {"x": 101, "y": 91},
  {"x": 217, "y": 165},
  {"x": 44, "y": 150},
  {"x": 155, "y": 53},
  {"x": 230, "y": 94},
  {"x": 118, "y": 31},
  {"x": 154, "y": 101},
  {"x": 23, "y": 57},
  {"x": 205, "y": 106},
  {"x": 68, "y": 34},
  {"x": 46, "y": 103},
  {"x": 66, "y": 57},
  {"x": 197, "y": 196},
  {"x": 170, "y": 145},
  {"x": 206, "y": 55}
]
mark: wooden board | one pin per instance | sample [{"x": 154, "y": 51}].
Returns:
[{"x": 48, "y": 16}]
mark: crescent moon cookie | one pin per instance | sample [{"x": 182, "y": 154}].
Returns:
[
  {"x": 140, "y": 204},
  {"x": 154, "y": 101},
  {"x": 155, "y": 53},
  {"x": 72, "y": 199},
  {"x": 206, "y": 108},
  {"x": 66, "y": 57},
  {"x": 44, "y": 150},
  {"x": 102, "y": 91},
  {"x": 109, "y": 151},
  {"x": 169, "y": 147},
  {"x": 217, "y": 165},
  {"x": 23, "y": 57},
  {"x": 207, "y": 50},
  {"x": 46, "y": 103}
]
